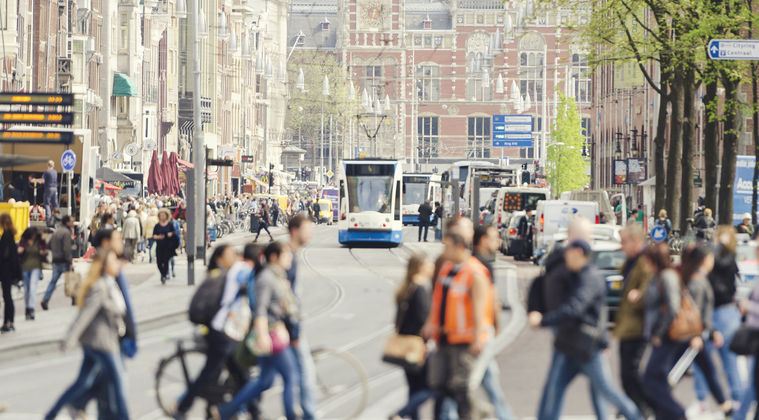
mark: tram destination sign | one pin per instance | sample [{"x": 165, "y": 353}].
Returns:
[
  {"x": 56, "y": 137},
  {"x": 65, "y": 118},
  {"x": 36, "y": 98}
]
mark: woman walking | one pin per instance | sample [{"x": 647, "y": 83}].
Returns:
[
  {"x": 413, "y": 308},
  {"x": 166, "y": 243},
  {"x": 147, "y": 230},
  {"x": 697, "y": 263},
  {"x": 33, "y": 252},
  {"x": 10, "y": 267},
  {"x": 96, "y": 327},
  {"x": 264, "y": 222},
  {"x": 276, "y": 307},
  {"x": 662, "y": 303}
]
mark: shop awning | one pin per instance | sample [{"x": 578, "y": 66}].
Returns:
[
  {"x": 123, "y": 85},
  {"x": 111, "y": 176},
  {"x": 183, "y": 164}
]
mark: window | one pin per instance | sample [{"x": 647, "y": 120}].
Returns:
[
  {"x": 581, "y": 78},
  {"x": 478, "y": 140},
  {"x": 4, "y": 17},
  {"x": 531, "y": 75},
  {"x": 478, "y": 82},
  {"x": 373, "y": 82},
  {"x": 124, "y": 31},
  {"x": 428, "y": 137},
  {"x": 123, "y": 105},
  {"x": 586, "y": 133},
  {"x": 428, "y": 83}
]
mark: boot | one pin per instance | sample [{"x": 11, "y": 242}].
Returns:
[
  {"x": 27, "y": 314},
  {"x": 31, "y": 315}
]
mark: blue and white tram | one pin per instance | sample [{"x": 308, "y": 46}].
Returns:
[{"x": 370, "y": 202}]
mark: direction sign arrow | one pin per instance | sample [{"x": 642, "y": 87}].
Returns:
[{"x": 734, "y": 49}]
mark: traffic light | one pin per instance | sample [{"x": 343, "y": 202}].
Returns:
[{"x": 525, "y": 177}]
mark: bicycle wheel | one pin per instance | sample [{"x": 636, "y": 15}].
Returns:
[
  {"x": 173, "y": 376},
  {"x": 342, "y": 384}
]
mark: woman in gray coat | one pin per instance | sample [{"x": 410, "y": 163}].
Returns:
[{"x": 96, "y": 327}]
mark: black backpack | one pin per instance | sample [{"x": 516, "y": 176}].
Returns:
[{"x": 206, "y": 301}]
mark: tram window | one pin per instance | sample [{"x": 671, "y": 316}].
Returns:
[
  {"x": 369, "y": 193},
  {"x": 398, "y": 200}
]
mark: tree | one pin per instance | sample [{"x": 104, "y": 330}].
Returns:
[{"x": 567, "y": 169}]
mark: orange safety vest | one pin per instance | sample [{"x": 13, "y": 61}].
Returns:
[{"x": 459, "y": 314}]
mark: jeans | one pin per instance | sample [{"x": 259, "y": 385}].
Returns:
[
  {"x": 219, "y": 350},
  {"x": 283, "y": 364},
  {"x": 559, "y": 377},
  {"x": 415, "y": 401},
  {"x": 58, "y": 269},
  {"x": 150, "y": 249},
  {"x": 727, "y": 319},
  {"x": 263, "y": 226},
  {"x": 425, "y": 226},
  {"x": 103, "y": 391},
  {"x": 31, "y": 278},
  {"x": 597, "y": 371},
  {"x": 50, "y": 200},
  {"x": 655, "y": 383},
  {"x": 94, "y": 363},
  {"x": 307, "y": 375},
  {"x": 630, "y": 356},
  {"x": 749, "y": 393}
]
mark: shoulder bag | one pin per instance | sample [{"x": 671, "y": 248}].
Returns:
[
  {"x": 406, "y": 351},
  {"x": 745, "y": 342},
  {"x": 687, "y": 323}
]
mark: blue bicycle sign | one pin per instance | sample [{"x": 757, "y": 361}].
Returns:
[{"x": 68, "y": 160}]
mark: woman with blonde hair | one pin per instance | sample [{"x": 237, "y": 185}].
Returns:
[
  {"x": 96, "y": 327},
  {"x": 10, "y": 266},
  {"x": 166, "y": 243}
]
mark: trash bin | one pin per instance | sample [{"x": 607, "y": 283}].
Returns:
[{"x": 254, "y": 222}]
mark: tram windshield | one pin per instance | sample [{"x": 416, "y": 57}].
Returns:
[
  {"x": 370, "y": 187},
  {"x": 415, "y": 189}
]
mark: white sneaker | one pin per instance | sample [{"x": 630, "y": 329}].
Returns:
[{"x": 696, "y": 409}]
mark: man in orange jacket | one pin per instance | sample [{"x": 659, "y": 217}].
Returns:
[{"x": 458, "y": 319}]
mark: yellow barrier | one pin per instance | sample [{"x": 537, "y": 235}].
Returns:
[{"x": 19, "y": 214}]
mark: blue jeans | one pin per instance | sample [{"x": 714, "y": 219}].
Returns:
[
  {"x": 150, "y": 249},
  {"x": 307, "y": 375},
  {"x": 50, "y": 200},
  {"x": 58, "y": 269},
  {"x": 559, "y": 376},
  {"x": 749, "y": 393},
  {"x": 31, "y": 278},
  {"x": 103, "y": 391},
  {"x": 655, "y": 381},
  {"x": 95, "y": 363},
  {"x": 727, "y": 320},
  {"x": 282, "y": 364}
]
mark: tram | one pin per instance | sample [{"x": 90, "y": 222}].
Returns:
[
  {"x": 370, "y": 202},
  {"x": 416, "y": 189}
]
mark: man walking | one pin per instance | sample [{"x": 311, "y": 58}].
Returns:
[
  {"x": 425, "y": 211},
  {"x": 629, "y": 321},
  {"x": 459, "y": 318},
  {"x": 301, "y": 229},
  {"x": 61, "y": 246}
]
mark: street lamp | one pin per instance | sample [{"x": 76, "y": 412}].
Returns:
[{"x": 325, "y": 93}]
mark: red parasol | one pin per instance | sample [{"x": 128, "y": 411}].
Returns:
[
  {"x": 174, "y": 171},
  {"x": 168, "y": 187},
  {"x": 155, "y": 175},
  {"x": 108, "y": 186}
]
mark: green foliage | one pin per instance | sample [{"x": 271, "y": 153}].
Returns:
[
  {"x": 305, "y": 107},
  {"x": 567, "y": 168}
]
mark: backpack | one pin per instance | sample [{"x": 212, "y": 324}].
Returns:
[{"x": 206, "y": 301}]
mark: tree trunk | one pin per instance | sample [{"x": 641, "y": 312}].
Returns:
[
  {"x": 711, "y": 146},
  {"x": 659, "y": 143},
  {"x": 729, "y": 149},
  {"x": 688, "y": 144},
  {"x": 674, "y": 165}
]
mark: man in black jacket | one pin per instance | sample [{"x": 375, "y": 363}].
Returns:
[
  {"x": 425, "y": 211},
  {"x": 61, "y": 246}
]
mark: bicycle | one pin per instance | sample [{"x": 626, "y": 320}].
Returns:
[
  {"x": 175, "y": 373},
  {"x": 675, "y": 242}
]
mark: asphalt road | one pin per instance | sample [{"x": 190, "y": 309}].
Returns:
[{"x": 348, "y": 305}]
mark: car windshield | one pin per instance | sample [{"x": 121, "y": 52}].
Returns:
[
  {"x": 369, "y": 193},
  {"x": 609, "y": 260}
]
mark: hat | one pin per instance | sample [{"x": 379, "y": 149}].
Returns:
[
  {"x": 579, "y": 243},
  {"x": 746, "y": 216}
]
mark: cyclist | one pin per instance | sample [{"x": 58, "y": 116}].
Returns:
[
  {"x": 705, "y": 225},
  {"x": 663, "y": 220}
]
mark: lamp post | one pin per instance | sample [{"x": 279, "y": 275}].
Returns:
[{"x": 325, "y": 93}]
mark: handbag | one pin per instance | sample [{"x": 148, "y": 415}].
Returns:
[
  {"x": 71, "y": 282},
  {"x": 280, "y": 340},
  {"x": 406, "y": 351},
  {"x": 745, "y": 342},
  {"x": 687, "y": 323},
  {"x": 239, "y": 317}
]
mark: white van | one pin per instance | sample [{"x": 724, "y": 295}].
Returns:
[
  {"x": 600, "y": 197},
  {"x": 553, "y": 215},
  {"x": 511, "y": 199}
]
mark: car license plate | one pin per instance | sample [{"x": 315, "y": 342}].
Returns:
[{"x": 616, "y": 285}]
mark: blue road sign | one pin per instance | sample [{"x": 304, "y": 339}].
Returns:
[
  {"x": 68, "y": 160},
  {"x": 512, "y": 131},
  {"x": 734, "y": 49},
  {"x": 659, "y": 234}
]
